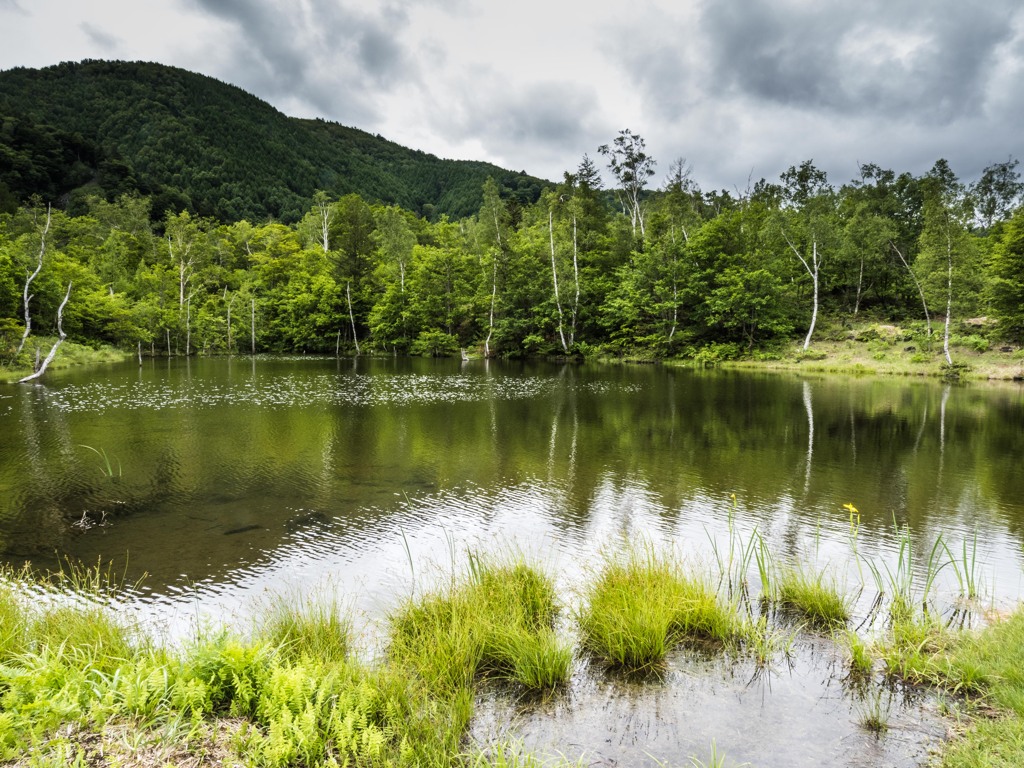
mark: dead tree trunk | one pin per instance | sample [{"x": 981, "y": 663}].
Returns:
[
  {"x": 27, "y": 297},
  {"x": 60, "y": 340}
]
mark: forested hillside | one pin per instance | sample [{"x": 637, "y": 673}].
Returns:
[
  {"x": 668, "y": 271},
  {"x": 191, "y": 142}
]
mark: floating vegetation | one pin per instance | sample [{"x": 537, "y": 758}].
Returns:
[{"x": 314, "y": 389}]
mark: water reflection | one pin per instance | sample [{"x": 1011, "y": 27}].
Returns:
[{"x": 232, "y": 468}]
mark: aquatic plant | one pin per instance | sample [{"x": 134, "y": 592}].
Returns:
[
  {"x": 13, "y": 616},
  {"x": 106, "y": 468},
  {"x": 765, "y": 642},
  {"x": 639, "y": 606},
  {"x": 862, "y": 662},
  {"x": 965, "y": 568},
  {"x": 814, "y": 596},
  {"x": 874, "y": 713},
  {"x": 512, "y": 754},
  {"x": 497, "y": 621}
]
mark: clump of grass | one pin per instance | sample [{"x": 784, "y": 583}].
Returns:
[
  {"x": 862, "y": 661},
  {"x": 13, "y": 618},
  {"x": 106, "y": 468},
  {"x": 309, "y": 629},
  {"x": 765, "y": 642},
  {"x": 495, "y": 622},
  {"x": 965, "y": 568},
  {"x": 814, "y": 597},
  {"x": 508, "y": 754},
  {"x": 901, "y": 579},
  {"x": 993, "y": 661},
  {"x": 917, "y": 650},
  {"x": 874, "y": 714},
  {"x": 639, "y": 607},
  {"x": 997, "y": 743}
]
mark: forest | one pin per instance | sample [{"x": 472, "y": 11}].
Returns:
[
  {"x": 642, "y": 269},
  {"x": 190, "y": 142}
]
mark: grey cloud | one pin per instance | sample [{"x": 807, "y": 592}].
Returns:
[
  {"x": 12, "y": 5},
  {"x": 890, "y": 58},
  {"x": 104, "y": 40},
  {"x": 330, "y": 57},
  {"x": 555, "y": 121}
]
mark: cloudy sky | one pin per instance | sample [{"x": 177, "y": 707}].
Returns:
[{"x": 740, "y": 88}]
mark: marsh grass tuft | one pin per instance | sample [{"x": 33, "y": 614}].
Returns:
[
  {"x": 814, "y": 596},
  {"x": 13, "y": 617},
  {"x": 510, "y": 754},
  {"x": 306, "y": 629},
  {"x": 641, "y": 605},
  {"x": 874, "y": 711},
  {"x": 497, "y": 622},
  {"x": 105, "y": 467},
  {"x": 862, "y": 662}
]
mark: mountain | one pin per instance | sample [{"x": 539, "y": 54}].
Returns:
[{"x": 194, "y": 142}]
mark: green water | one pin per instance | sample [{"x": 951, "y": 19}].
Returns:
[
  {"x": 219, "y": 466},
  {"x": 208, "y": 471},
  {"x": 225, "y": 480}
]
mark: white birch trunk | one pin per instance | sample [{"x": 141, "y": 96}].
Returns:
[
  {"x": 949, "y": 298},
  {"x": 813, "y": 272},
  {"x": 554, "y": 278},
  {"x": 28, "y": 282},
  {"x": 60, "y": 340}
]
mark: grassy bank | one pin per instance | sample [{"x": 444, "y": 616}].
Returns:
[
  {"x": 883, "y": 348},
  {"x": 80, "y": 685},
  {"x": 69, "y": 355},
  {"x": 868, "y": 347}
]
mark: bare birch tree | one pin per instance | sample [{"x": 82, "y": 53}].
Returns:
[
  {"x": 26, "y": 296},
  {"x": 56, "y": 345}
]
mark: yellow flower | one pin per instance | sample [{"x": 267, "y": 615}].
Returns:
[{"x": 853, "y": 509}]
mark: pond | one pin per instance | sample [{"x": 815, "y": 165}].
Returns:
[{"x": 222, "y": 480}]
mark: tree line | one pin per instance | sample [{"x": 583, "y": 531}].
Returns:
[{"x": 635, "y": 269}]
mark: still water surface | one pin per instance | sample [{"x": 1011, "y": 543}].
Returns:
[{"x": 222, "y": 480}]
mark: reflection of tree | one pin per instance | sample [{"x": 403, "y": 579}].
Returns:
[
  {"x": 809, "y": 407},
  {"x": 593, "y": 437}
]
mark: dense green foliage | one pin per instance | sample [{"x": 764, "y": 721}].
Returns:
[
  {"x": 195, "y": 143},
  {"x": 671, "y": 272}
]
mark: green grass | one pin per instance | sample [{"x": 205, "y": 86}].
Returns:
[
  {"x": 987, "y": 667},
  {"x": 69, "y": 355},
  {"x": 13, "y": 619},
  {"x": 814, "y": 596},
  {"x": 78, "y": 682},
  {"x": 993, "y": 660},
  {"x": 862, "y": 661},
  {"x": 306, "y": 629},
  {"x": 513, "y": 755},
  {"x": 495, "y": 622},
  {"x": 641, "y": 605},
  {"x": 874, "y": 712},
  {"x": 996, "y": 743}
]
